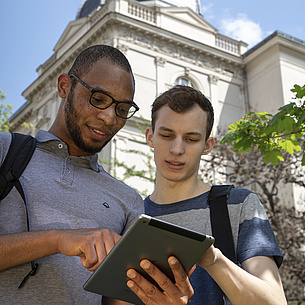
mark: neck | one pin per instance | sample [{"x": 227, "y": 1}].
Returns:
[{"x": 166, "y": 192}]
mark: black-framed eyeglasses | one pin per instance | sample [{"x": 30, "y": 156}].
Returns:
[{"x": 102, "y": 100}]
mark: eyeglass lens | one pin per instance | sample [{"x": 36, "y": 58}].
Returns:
[{"x": 102, "y": 101}]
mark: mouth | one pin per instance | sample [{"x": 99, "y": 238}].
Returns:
[
  {"x": 98, "y": 134},
  {"x": 175, "y": 164}
]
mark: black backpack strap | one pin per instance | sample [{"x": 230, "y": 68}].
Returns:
[
  {"x": 220, "y": 220},
  {"x": 19, "y": 154},
  {"x": 17, "y": 158}
]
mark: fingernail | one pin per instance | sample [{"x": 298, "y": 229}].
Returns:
[
  {"x": 131, "y": 274},
  {"x": 130, "y": 284},
  {"x": 145, "y": 264},
  {"x": 172, "y": 261}
]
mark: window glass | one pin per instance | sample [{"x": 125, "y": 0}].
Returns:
[{"x": 184, "y": 81}]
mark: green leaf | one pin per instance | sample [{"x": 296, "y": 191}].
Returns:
[
  {"x": 273, "y": 156},
  {"x": 288, "y": 124},
  {"x": 301, "y": 120},
  {"x": 228, "y": 138},
  {"x": 286, "y": 109},
  {"x": 263, "y": 115},
  {"x": 300, "y": 91},
  {"x": 284, "y": 124},
  {"x": 290, "y": 146},
  {"x": 243, "y": 145}
]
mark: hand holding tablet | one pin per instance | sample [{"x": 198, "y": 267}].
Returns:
[{"x": 152, "y": 239}]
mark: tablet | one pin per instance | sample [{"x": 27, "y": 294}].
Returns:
[{"x": 148, "y": 238}]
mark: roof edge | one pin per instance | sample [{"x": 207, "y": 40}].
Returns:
[{"x": 274, "y": 34}]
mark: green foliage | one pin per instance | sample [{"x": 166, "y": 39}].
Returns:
[
  {"x": 2, "y": 95},
  {"x": 273, "y": 135},
  {"x": 5, "y": 113}
]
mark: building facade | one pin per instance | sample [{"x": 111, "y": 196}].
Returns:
[{"x": 168, "y": 44}]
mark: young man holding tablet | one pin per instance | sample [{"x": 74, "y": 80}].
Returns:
[{"x": 182, "y": 120}]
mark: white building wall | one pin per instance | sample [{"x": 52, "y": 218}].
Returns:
[
  {"x": 292, "y": 71},
  {"x": 264, "y": 81}
]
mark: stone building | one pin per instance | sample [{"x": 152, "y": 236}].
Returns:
[{"x": 168, "y": 44}]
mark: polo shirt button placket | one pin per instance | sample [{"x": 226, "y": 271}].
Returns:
[{"x": 69, "y": 172}]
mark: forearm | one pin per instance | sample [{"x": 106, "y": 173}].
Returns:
[
  {"x": 20, "y": 248},
  {"x": 91, "y": 245},
  {"x": 242, "y": 287}
]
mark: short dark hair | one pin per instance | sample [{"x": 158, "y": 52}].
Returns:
[
  {"x": 86, "y": 59},
  {"x": 182, "y": 99}
]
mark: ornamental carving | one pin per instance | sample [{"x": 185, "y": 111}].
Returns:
[
  {"x": 123, "y": 48},
  {"x": 213, "y": 79},
  {"x": 160, "y": 61}
]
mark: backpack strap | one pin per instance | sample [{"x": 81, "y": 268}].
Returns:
[
  {"x": 17, "y": 158},
  {"x": 19, "y": 154},
  {"x": 220, "y": 220}
]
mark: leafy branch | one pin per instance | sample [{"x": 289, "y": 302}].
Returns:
[
  {"x": 273, "y": 135},
  {"x": 5, "y": 113}
]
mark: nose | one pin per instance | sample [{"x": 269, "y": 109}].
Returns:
[
  {"x": 177, "y": 147},
  {"x": 108, "y": 115}
]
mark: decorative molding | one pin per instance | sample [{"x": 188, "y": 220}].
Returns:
[
  {"x": 49, "y": 88},
  {"x": 123, "y": 48},
  {"x": 187, "y": 71},
  {"x": 213, "y": 79},
  {"x": 160, "y": 61}
]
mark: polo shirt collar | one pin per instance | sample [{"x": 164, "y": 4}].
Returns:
[{"x": 50, "y": 142}]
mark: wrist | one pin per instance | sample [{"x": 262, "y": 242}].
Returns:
[
  {"x": 211, "y": 259},
  {"x": 53, "y": 238}
]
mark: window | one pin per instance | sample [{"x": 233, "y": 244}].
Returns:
[{"x": 184, "y": 81}]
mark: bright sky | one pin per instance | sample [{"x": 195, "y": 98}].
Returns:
[{"x": 29, "y": 30}]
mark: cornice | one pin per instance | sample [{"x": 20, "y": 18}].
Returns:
[
  {"x": 173, "y": 49},
  {"x": 22, "y": 119}
]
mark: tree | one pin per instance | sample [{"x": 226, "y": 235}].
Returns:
[
  {"x": 273, "y": 138},
  {"x": 273, "y": 135},
  {"x": 5, "y": 113},
  {"x": 248, "y": 170}
]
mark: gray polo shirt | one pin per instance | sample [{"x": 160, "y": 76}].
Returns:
[{"x": 63, "y": 192}]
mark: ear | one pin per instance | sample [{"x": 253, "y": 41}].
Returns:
[
  {"x": 149, "y": 137},
  {"x": 209, "y": 144},
  {"x": 63, "y": 86}
]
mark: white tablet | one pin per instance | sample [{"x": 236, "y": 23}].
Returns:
[{"x": 152, "y": 239}]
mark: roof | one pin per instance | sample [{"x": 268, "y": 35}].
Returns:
[
  {"x": 87, "y": 7},
  {"x": 274, "y": 34}
]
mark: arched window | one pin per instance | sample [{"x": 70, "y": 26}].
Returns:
[{"x": 184, "y": 81}]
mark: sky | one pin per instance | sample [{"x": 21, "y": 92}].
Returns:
[{"x": 29, "y": 31}]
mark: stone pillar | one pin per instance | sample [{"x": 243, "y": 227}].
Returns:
[
  {"x": 160, "y": 75},
  {"x": 213, "y": 80}
]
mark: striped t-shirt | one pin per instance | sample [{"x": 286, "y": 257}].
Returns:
[{"x": 252, "y": 233}]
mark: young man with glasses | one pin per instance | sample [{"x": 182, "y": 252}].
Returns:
[{"x": 77, "y": 211}]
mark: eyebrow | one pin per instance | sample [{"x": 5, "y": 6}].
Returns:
[
  {"x": 97, "y": 89},
  {"x": 192, "y": 133}
]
